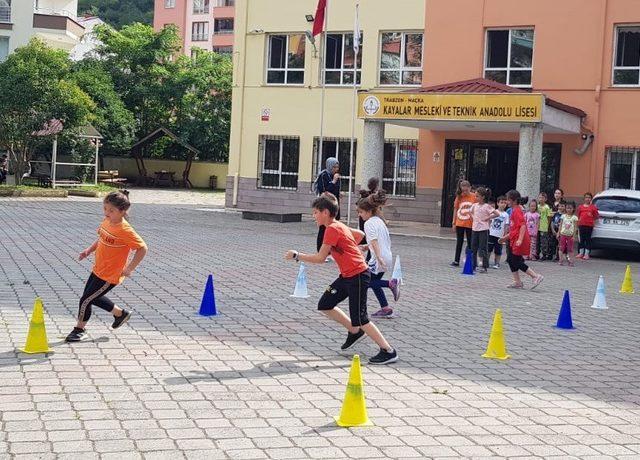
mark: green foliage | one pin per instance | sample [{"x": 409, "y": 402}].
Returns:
[
  {"x": 36, "y": 87},
  {"x": 118, "y": 12}
]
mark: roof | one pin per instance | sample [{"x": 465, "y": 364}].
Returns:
[
  {"x": 158, "y": 133},
  {"x": 484, "y": 86},
  {"x": 54, "y": 127}
]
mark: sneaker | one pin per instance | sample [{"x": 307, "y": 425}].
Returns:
[
  {"x": 384, "y": 357},
  {"x": 537, "y": 280},
  {"x": 352, "y": 339},
  {"x": 516, "y": 286},
  {"x": 455, "y": 264},
  {"x": 586, "y": 257},
  {"x": 76, "y": 335},
  {"x": 561, "y": 262},
  {"x": 579, "y": 256},
  {"x": 482, "y": 270},
  {"x": 571, "y": 264},
  {"x": 386, "y": 313},
  {"x": 394, "y": 286},
  {"x": 496, "y": 267},
  {"x": 120, "y": 320}
]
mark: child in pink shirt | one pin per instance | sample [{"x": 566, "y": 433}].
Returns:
[
  {"x": 532, "y": 221},
  {"x": 482, "y": 213}
]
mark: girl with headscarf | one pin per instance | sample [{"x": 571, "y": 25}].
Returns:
[{"x": 328, "y": 181}]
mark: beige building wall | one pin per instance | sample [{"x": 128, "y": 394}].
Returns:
[{"x": 295, "y": 110}]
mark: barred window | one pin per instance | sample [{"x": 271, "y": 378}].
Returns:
[
  {"x": 279, "y": 159},
  {"x": 623, "y": 168},
  {"x": 399, "y": 168},
  {"x": 340, "y": 148}
]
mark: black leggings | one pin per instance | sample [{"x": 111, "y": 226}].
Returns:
[
  {"x": 516, "y": 263},
  {"x": 479, "y": 245},
  {"x": 93, "y": 294},
  {"x": 460, "y": 234},
  {"x": 585, "y": 237}
]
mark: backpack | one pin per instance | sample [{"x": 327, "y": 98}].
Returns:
[{"x": 315, "y": 187}]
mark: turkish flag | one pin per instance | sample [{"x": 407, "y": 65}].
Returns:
[{"x": 318, "y": 22}]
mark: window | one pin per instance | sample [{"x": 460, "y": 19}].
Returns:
[
  {"x": 4, "y": 48},
  {"x": 169, "y": 3},
  {"x": 219, "y": 3},
  {"x": 223, "y": 26},
  {"x": 401, "y": 59},
  {"x": 199, "y": 31},
  {"x": 5, "y": 10},
  {"x": 286, "y": 60},
  {"x": 509, "y": 56},
  {"x": 200, "y": 6},
  {"x": 339, "y": 60},
  {"x": 626, "y": 69},
  {"x": 279, "y": 162},
  {"x": 399, "y": 167},
  {"x": 623, "y": 168},
  {"x": 223, "y": 49},
  {"x": 339, "y": 148}
]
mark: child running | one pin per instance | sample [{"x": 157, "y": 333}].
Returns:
[
  {"x": 353, "y": 282},
  {"x": 568, "y": 232},
  {"x": 518, "y": 239},
  {"x": 555, "y": 230},
  {"x": 498, "y": 229},
  {"x": 532, "y": 219},
  {"x": 116, "y": 238},
  {"x": 379, "y": 245},
  {"x": 481, "y": 214},
  {"x": 587, "y": 216},
  {"x": 462, "y": 218},
  {"x": 543, "y": 228}
]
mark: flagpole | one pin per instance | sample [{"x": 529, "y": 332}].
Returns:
[
  {"x": 322, "y": 83},
  {"x": 356, "y": 50}
]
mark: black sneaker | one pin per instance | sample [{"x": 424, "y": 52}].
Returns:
[
  {"x": 352, "y": 339},
  {"x": 384, "y": 357},
  {"x": 120, "y": 320},
  {"x": 455, "y": 264},
  {"x": 77, "y": 335}
]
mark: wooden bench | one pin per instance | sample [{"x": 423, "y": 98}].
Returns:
[
  {"x": 272, "y": 216},
  {"x": 111, "y": 178}
]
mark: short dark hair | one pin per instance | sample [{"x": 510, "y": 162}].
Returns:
[
  {"x": 513, "y": 195},
  {"x": 328, "y": 202},
  {"x": 588, "y": 194},
  {"x": 571, "y": 203},
  {"x": 119, "y": 200},
  {"x": 500, "y": 198}
]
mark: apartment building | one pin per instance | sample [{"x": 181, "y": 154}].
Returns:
[
  {"x": 53, "y": 21},
  {"x": 203, "y": 24}
]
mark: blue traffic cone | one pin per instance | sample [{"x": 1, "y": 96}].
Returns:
[
  {"x": 564, "y": 318},
  {"x": 468, "y": 264},
  {"x": 300, "y": 290},
  {"x": 397, "y": 271},
  {"x": 208, "y": 305}
]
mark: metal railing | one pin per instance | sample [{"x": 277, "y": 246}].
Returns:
[
  {"x": 221, "y": 3},
  {"x": 54, "y": 12},
  {"x": 224, "y": 32}
]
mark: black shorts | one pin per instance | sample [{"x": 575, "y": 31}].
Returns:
[
  {"x": 494, "y": 246},
  {"x": 355, "y": 288}
]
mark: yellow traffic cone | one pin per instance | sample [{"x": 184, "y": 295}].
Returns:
[
  {"x": 497, "y": 347},
  {"x": 627, "y": 283},
  {"x": 37, "y": 336},
  {"x": 354, "y": 408}
]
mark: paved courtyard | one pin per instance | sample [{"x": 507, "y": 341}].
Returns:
[{"x": 263, "y": 379}]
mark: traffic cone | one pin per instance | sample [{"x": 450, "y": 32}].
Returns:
[
  {"x": 627, "y": 284},
  {"x": 600, "y": 300},
  {"x": 468, "y": 264},
  {"x": 497, "y": 346},
  {"x": 208, "y": 305},
  {"x": 37, "y": 336},
  {"x": 564, "y": 317},
  {"x": 397, "y": 271},
  {"x": 300, "y": 290},
  {"x": 354, "y": 408}
]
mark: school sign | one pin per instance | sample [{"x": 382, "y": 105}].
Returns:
[{"x": 522, "y": 108}]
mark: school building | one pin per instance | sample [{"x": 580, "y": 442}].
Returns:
[{"x": 526, "y": 95}]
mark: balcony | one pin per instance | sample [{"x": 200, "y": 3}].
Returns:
[
  {"x": 223, "y": 3},
  {"x": 58, "y": 28}
]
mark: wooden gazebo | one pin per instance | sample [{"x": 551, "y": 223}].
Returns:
[{"x": 140, "y": 147}]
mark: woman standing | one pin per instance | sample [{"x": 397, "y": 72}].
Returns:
[{"x": 328, "y": 181}]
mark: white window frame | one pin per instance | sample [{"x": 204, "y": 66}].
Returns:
[
  {"x": 201, "y": 7},
  {"x": 401, "y": 69},
  {"x": 615, "y": 55},
  {"x": 342, "y": 69},
  {"x": 5, "y": 11},
  {"x": 508, "y": 69},
  {"x": 635, "y": 160},
  {"x": 169, "y": 4},
  {"x": 279, "y": 172},
  {"x": 285, "y": 69},
  {"x": 398, "y": 143},
  {"x": 200, "y": 37}
]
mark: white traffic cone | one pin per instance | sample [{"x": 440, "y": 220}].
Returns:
[
  {"x": 397, "y": 271},
  {"x": 300, "y": 290},
  {"x": 600, "y": 300}
]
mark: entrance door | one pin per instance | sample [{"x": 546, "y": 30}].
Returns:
[{"x": 493, "y": 165}]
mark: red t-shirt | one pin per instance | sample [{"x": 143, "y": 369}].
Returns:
[
  {"x": 516, "y": 222},
  {"x": 587, "y": 215},
  {"x": 344, "y": 249}
]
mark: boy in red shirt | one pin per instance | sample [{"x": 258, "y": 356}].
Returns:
[
  {"x": 587, "y": 215},
  {"x": 353, "y": 282}
]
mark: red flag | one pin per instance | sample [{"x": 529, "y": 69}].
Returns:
[{"x": 318, "y": 22}]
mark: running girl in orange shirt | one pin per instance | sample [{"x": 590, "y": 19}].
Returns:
[{"x": 116, "y": 238}]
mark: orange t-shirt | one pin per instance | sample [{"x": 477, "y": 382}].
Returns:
[
  {"x": 112, "y": 253},
  {"x": 344, "y": 250},
  {"x": 462, "y": 210}
]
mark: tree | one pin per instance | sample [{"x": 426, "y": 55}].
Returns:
[
  {"x": 36, "y": 88},
  {"x": 118, "y": 12}
]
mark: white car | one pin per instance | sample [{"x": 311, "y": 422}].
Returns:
[{"x": 618, "y": 226}]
